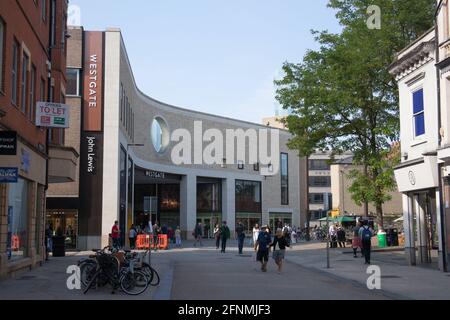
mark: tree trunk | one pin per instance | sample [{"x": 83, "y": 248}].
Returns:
[
  {"x": 366, "y": 202},
  {"x": 380, "y": 217}
]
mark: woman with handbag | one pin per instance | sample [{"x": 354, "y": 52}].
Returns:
[
  {"x": 217, "y": 236},
  {"x": 279, "y": 249}
]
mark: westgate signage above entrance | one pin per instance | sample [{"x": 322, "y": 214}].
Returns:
[
  {"x": 8, "y": 143},
  {"x": 155, "y": 174},
  {"x": 52, "y": 115},
  {"x": 93, "y": 81}
]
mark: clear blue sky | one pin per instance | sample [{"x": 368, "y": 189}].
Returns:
[{"x": 216, "y": 56}]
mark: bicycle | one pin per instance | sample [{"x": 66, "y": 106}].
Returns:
[
  {"x": 146, "y": 267},
  {"x": 132, "y": 282}
]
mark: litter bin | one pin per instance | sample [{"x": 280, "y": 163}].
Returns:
[
  {"x": 59, "y": 246},
  {"x": 392, "y": 237},
  {"x": 381, "y": 239}
]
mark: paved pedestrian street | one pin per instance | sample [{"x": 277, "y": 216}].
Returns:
[{"x": 206, "y": 274}]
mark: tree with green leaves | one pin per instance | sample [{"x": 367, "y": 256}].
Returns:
[{"x": 342, "y": 96}]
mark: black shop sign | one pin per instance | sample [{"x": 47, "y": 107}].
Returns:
[{"x": 8, "y": 143}]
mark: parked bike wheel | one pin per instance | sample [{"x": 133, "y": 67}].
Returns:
[
  {"x": 87, "y": 271},
  {"x": 155, "y": 278},
  {"x": 92, "y": 281},
  {"x": 134, "y": 283}
]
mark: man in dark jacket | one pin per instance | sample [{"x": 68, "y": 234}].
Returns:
[
  {"x": 224, "y": 235},
  {"x": 263, "y": 243},
  {"x": 240, "y": 234}
]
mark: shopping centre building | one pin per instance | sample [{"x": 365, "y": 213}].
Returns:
[{"x": 143, "y": 160}]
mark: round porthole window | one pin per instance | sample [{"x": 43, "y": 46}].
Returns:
[{"x": 160, "y": 135}]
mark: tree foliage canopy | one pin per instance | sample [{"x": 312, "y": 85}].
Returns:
[{"x": 342, "y": 96}]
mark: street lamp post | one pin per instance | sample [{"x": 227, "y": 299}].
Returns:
[
  {"x": 328, "y": 242},
  {"x": 127, "y": 182}
]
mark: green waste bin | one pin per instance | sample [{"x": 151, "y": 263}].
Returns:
[{"x": 382, "y": 242}]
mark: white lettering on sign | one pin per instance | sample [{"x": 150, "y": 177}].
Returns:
[
  {"x": 155, "y": 175},
  {"x": 91, "y": 154},
  {"x": 93, "y": 78}
]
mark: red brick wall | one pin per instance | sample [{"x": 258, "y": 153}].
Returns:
[{"x": 24, "y": 23}]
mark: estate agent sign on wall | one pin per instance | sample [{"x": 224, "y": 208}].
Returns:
[{"x": 52, "y": 115}]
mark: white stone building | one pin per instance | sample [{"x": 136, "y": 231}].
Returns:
[
  {"x": 419, "y": 175},
  {"x": 127, "y": 167}
]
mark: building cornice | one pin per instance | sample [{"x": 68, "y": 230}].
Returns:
[{"x": 413, "y": 60}]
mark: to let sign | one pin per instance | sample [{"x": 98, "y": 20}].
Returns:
[
  {"x": 9, "y": 175},
  {"x": 52, "y": 115},
  {"x": 8, "y": 143}
]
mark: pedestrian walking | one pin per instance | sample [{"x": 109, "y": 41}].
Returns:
[
  {"x": 49, "y": 241},
  {"x": 217, "y": 236},
  {"x": 132, "y": 237},
  {"x": 178, "y": 237},
  {"x": 341, "y": 237},
  {"x": 115, "y": 235},
  {"x": 225, "y": 234},
  {"x": 263, "y": 247},
  {"x": 279, "y": 249},
  {"x": 287, "y": 230},
  {"x": 156, "y": 230},
  {"x": 170, "y": 235},
  {"x": 198, "y": 235},
  {"x": 293, "y": 236},
  {"x": 366, "y": 234},
  {"x": 240, "y": 234},
  {"x": 256, "y": 231},
  {"x": 356, "y": 242}
]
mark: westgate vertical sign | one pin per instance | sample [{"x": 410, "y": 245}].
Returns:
[
  {"x": 93, "y": 81},
  {"x": 91, "y": 149}
]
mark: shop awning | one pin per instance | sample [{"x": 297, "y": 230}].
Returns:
[{"x": 339, "y": 219}]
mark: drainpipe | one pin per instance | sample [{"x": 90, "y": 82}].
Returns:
[
  {"x": 49, "y": 85},
  {"x": 439, "y": 121}
]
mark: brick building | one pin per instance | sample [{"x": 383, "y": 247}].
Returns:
[{"x": 32, "y": 69}]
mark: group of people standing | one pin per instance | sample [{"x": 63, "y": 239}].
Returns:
[
  {"x": 337, "y": 236},
  {"x": 362, "y": 239},
  {"x": 221, "y": 235},
  {"x": 152, "y": 230}
]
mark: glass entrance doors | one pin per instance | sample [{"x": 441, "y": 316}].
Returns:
[
  {"x": 65, "y": 222},
  {"x": 208, "y": 224},
  {"x": 278, "y": 220}
]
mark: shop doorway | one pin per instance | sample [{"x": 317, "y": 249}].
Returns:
[
  {"x": 249, "y": 221},
  {"x": 65, "y": 222},
  {"x": 156, "y": 199},
  {"x": 208, "y": 224},
  {"x": 425, "y": 228},
  {"x": 278, "y": 220}
]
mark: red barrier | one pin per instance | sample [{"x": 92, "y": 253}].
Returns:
[
  {"x": 163, "y": 242},
  {"x": 15, "y": 245},
  {"x": 145, "y": 242}
]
